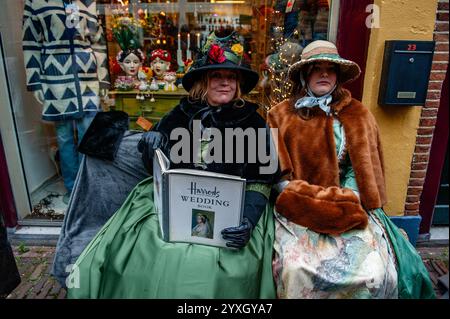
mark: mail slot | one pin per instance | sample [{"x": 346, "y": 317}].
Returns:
[{"x": 405, "y": 73}]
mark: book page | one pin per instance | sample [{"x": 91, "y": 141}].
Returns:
[
  {"x": 158, "y": 169},
  {"x": 162, "y": 160}
]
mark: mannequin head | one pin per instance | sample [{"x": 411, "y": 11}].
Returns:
[
  {"x": 160, "y": 62},
  {"x": 170, "y": 77},
  {"x": 131, "y": 61}
]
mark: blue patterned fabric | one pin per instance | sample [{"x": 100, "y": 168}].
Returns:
[{"x": 68, "y": 64}]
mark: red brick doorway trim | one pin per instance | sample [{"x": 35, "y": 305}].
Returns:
[
  {"x": 436, "y": 161},
  {"x": 423, "y": 162}
]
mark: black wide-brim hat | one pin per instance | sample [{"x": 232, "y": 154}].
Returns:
[{"x": 231, "y": 61}]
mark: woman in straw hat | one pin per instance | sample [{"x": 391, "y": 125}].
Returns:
[
  {"x": 128, "y": 258},
  {"x": 332, "y": 238}
]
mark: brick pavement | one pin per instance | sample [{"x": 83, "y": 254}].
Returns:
[
  {"x": 436, "y": 261},
  {"x": 35, "y": 262},
  {"x": 34, "y": 265}
]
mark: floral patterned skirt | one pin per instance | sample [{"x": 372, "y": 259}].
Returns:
[{"x": 356, "y": 264}]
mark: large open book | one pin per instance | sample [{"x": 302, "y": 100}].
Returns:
[{"x": 194, "y": 206}]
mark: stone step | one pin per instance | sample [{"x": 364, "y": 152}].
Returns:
[{"x": 34, "y": 235}]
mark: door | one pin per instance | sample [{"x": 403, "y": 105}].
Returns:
[
  {"x": 441, "y": 214},
  {"x": 435, "y": 188}
]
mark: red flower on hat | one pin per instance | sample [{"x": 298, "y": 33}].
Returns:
[{"x": 216, "y": 54}]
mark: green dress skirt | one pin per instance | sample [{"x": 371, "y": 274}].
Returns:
[{"x": 129, "y": 259}]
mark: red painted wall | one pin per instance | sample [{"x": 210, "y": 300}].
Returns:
[
  {"x": 7, "y": 207},
  {"x": 353, "y": 38}
]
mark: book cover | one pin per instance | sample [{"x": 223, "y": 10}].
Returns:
[{"x": 194, "y": 206}]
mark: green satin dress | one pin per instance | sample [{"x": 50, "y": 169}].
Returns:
[{"x": 129, "y": 259}]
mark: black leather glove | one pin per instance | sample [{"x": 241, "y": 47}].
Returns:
[
  {"x": 150, "y": 141},
  {"x": 238, "y": 237}
]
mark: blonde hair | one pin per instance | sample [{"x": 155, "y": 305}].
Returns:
[{"x": 199, "y": 89}]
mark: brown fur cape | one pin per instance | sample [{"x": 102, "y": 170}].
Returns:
[{"x": 307, "y": 152}]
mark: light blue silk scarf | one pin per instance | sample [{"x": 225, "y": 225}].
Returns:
[{"x": 310, "y": 100}]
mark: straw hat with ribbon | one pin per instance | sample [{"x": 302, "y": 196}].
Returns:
[
  {"x": 221, "y": 53},
  {"x": 324, "y": 51}
]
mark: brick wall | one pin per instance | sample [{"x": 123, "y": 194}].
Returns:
[{"x": 429, "y": 111}]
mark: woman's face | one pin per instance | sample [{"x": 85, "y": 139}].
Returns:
[
  {"x": 131, "y": 64},
  {"x": 199, "y": 220},
  {"x": 221, "y": 87},
  {"x": 322, "y": 78}
]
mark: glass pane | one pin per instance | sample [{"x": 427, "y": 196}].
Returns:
[
  {"x": 45, "y": 43},
  {"x": 273, "y": 34},
  {"x": 36, "y": 138}
]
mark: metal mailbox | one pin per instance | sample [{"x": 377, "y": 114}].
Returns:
[{"x": 405, "y": 73}]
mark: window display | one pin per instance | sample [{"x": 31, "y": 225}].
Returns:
[
  {"x": 65, "y": 62},
  {"x": 85, "y": 56},
  {"x": 169, "y": 34}
]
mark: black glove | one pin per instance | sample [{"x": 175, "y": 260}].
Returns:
[
  {"x": 238, "y": 237},
  {"x": 150, "y": 141}
]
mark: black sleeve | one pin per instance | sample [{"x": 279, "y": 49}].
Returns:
[
  {"x": 103, "y": 136},
  {"x": 150, "y": 141},
  {"x": 263, "y": 172},
  {"x": 159, "y": 137},
  {"x": 254, "y": 206}
]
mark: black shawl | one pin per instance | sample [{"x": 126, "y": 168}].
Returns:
[{"x": 222, "y": 117}]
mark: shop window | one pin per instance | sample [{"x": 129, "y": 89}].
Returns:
[{"x": 272, "y": 34}]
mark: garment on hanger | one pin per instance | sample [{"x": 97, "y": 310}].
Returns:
[{"x": 65, "y": 56}]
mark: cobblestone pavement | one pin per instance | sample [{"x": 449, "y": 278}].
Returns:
[{"x": 35, "y": 262}]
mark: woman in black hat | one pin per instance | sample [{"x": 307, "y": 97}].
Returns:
[{"x": 129, "y": 259}]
